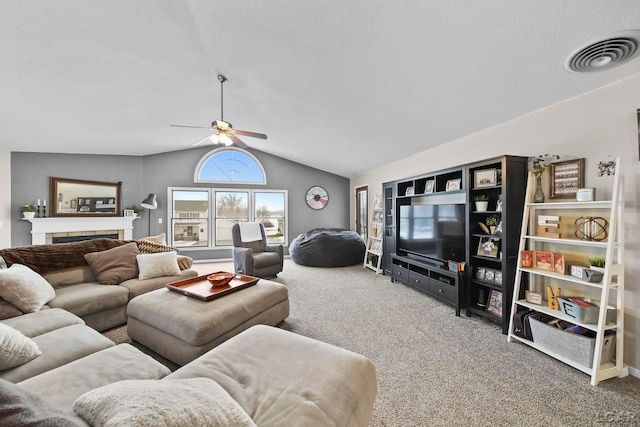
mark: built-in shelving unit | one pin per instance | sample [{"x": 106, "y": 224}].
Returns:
[
  {"x": 492, "y": 250},
  {"x": 389, "y": 237},
  {"x": 373, "y": 254},
  {"x": 591, "y": 349}
]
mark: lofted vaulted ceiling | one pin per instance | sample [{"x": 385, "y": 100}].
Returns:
[{"x": 343, "y": 86}]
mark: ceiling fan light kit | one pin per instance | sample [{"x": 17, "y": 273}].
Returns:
[{"x": 223, "y": 131}]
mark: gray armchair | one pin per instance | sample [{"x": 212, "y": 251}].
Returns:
[{"x": 256, "y": 258}]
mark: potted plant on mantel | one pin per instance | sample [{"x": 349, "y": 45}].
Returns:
[
  {"x": 482, "y": 202},
  {"x": 29, "y": 211}
]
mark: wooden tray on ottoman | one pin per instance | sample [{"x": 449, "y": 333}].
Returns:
[{"x": 200, "y": 288}]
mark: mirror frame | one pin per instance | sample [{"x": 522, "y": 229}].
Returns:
[{"x": 90, "y": 193}]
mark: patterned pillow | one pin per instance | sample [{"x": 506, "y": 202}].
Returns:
[{"x": 148, "y": 247}]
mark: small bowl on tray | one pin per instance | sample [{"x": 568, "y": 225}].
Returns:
[{"x": 219, "y": 280}]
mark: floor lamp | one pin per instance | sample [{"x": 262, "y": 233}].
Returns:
[{"x": 150, "y": 203}]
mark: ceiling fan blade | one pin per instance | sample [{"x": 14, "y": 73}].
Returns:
[
  {"x": 237, "y": 141},
  {"x": 251, "y": 134},
  {"x": 195, "y": 127},
  {"x": 201, "y": 141}
]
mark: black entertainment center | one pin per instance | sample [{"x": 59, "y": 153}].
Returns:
[{"x": 432, "y": 228}]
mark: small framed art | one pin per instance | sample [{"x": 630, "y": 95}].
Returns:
[
  {"x": 480, "y": 273},
  {"x": 566, "y": 178},
  {"x": 533, "y": 297},
  {"x": 453, "y": 184},
  {"x": 526, "y": 259},
  {"x": 558, "y": 264},
  {"x": 129, "y": 212},
  {"x": 408, "y": 191},
  {"x": 429, "y": 186},
  {"x": 489, "y": 275},
  {"x": 484, "y": 178},
  {"x": 488, "y": 246},
  {"x": 543, "y": 260},
  {"x": 494, "y": 305},
  {"x": 497, "y": 278}
]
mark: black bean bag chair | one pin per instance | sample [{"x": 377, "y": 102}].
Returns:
[{"x": 327, "y": 247}]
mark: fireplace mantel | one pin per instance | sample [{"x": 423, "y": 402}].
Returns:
[{"x": 40, "y": 227}]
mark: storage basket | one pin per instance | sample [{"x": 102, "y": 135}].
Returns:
[
  {"x": 588, "y": 315},
  {"x": 577, "y": 348}
]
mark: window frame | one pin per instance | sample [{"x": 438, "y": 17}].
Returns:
[
  {"x": 212, "y": 218},
  {"x": 204, "y": 159}
]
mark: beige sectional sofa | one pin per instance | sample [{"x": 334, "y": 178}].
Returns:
[
  {"x": 74, "y": 376},
  {"x": 90, "y": 291}
]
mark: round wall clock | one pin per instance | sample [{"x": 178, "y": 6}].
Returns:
[{"x": 317, "y": 197}]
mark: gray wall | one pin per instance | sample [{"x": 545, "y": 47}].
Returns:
[{"x": 153, "y": 174}]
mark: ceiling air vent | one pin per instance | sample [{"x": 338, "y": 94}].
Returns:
[{"x": 606, "y": 53}]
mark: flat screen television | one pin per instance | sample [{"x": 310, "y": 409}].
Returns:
[{"x": 435, "y": 232}]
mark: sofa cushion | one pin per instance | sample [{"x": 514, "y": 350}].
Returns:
[
  {"x": 121, "y": 362},
  {"x": 8, "y": 310},
  {"x": 43, "y": 321},
  {"x": 138, "y": 287},
  {"x": 15, "y": 348},
  {"x": 59, "y": 347},
  {"x": 309, "y": 381},
  {"x": 87, "y": 298},
  {"x": 70, "y": 276},
  {"x": 24, "y": 288},
  {"x": 201, "y": 402},
  {"x": 114, "y": 265},
  {"x": 157, "y": 265},
  {"x": 19, "y": 407}
]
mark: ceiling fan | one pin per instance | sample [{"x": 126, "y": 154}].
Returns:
[{"x": 223, "y": 131}]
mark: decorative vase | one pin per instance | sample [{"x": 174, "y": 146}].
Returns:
[
  {"x": 28, "y": 214},
  {"x": 482, "y": 206},
  {"x": 492, "y": 228},
  {"x": 538, "y": 196}
]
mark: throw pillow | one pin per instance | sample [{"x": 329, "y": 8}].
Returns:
[
  {"x": 15, "y": 348},
  {"x": 160, "y": 239},
  {"x": 147, "y": 247},
  {"x": 158, "y": 265},
  {"x": 18, "y": 407},
  {"x": 24, "y": 288},
  {"x": 187, "y": 402},
  {"x": 3, "y": 264},
  {"x": 115, "y": 265}
]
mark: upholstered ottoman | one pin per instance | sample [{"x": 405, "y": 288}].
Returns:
[{"x": 182, "y": 328}]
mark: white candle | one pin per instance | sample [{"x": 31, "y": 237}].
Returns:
[
  {"x": 44, "y": 202},
  {"x": 38, "y": 202}
]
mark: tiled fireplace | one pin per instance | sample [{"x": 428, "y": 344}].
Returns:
[{"x": 44, "y": 230}]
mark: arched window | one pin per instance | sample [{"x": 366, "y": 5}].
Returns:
[{"x": 229, "y": 165}]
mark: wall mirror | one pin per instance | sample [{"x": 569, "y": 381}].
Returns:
[{"x": 74, "y": 197}]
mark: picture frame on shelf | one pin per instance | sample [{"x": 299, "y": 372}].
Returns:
[
  {"x": 484, "y": 178},
  {"x": 489, "y": 275},
  {"x": 409, "y": 191},
  {"x": 566, "y": 178},
  {"x": 558, "y": 264},
  {"x": 494, "y": 304},
  {"x": 430, "y": 186},
  {"x": 543, "y": 260},
  {"x": 453, "y": 184},
  {"x": 533, "y": 297},
  {"x": 497, "y": 278},
  {"x": 129, "y": 212},
  {"x": 480, "y": 273},
  {"x": 526, "y": 259},
  {"x": 488, "y": 246}
]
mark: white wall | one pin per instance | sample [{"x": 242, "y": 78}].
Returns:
[
  {"x": 5, "y": 199},
  {"x": 599, "y": 126}
]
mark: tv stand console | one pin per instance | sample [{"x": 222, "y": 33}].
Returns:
[{"x": 443, "y": 284}]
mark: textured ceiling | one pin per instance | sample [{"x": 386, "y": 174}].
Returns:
[{"x": 343, "y": 86}]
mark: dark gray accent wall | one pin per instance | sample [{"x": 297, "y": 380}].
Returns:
[{"x": 155, "y": 173}]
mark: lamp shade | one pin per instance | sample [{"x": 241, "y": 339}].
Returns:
[{"x": 150, "y": 202}]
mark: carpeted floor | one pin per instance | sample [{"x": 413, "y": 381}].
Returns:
[{"x": 437, "y": 369}]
